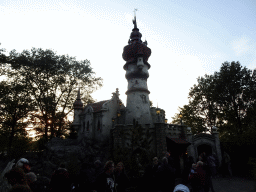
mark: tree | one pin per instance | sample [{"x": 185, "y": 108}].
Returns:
[
  {"x": 224, "y": 99},
  {"x": 15, "y": 105},
  {"x": 189, "y": 118},
  {"x": 53, "y": 80},
  {"x": 236, "y": 89}
]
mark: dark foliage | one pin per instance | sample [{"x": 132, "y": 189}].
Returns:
[
  {"x": 39, "y": 87},
  {"x": 226, "y": 100}
]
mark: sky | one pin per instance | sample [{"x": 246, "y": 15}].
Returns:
[{"x": 187, "y": 38}]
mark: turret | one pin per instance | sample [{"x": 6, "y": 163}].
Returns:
[
  {"x": 78, "y": 108},
  {"x": 136, "y": 55}
]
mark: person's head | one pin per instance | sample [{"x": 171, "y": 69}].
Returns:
[
  {"x": 167, "y": 154},
  {"x": 16, "y": 176},
  {"x": 31, "y": 177},
  {"x": 155, "y": 160},
  {"x": 23, "y": 164},
  {"x": 97, "y": 163},
  {"x": 109, "y": 167},
  {"x": 199, "y": 164},
  {"x": 193, "y": 166},
  {"x": 62, "y": 165},
  {"x": 165, "y": 160},
  {"x": 181, "y": 188},
  {"x": 119, "y": 167}
]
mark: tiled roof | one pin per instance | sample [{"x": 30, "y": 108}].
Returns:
[
  {"x": 201, "y": 134},
  {"x": 97, "y": 106}
]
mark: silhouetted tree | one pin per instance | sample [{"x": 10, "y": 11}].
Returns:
[
  {"x": 15, "y": 105},
  {"x": 225, "y": 99},
  {"x": 52, "y": 81}
]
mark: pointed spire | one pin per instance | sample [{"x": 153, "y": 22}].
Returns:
[
  {"x": 145, "y": 42},
  {"x": 78, "y": 94},
  {"x": 135, "y": 35},
  {"x": 78, "y": 104},
  {"x": 134, "y": 23},
  {"x": 116, "y": 94}
]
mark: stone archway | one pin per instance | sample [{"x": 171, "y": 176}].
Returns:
[
  {"x": 208, "y": 143},
  {"x": 204, "y": 144},
  {"x": 204, "y": 148}
]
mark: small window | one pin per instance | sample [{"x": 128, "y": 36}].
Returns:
[
  {"x": 99, "y": 128},
  {"x": 83, "y": 126},
  {"x": 87, "y": 128}
]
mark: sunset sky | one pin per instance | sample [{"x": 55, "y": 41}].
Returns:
[{"x": 187, "y": 38}]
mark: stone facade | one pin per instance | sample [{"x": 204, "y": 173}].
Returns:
[
  {"x": 210, "y": 140},
  {"x": 94, "y": 121}
]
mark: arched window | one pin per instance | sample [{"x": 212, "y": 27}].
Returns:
[
  {"x": 83, "y": 127},
  {"x": 99, "y": 128},
  {"x": 87, "y": 128}
]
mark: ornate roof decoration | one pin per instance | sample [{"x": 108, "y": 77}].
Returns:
[
  {"x": 136, "y": 48},
  {"x": 96, "y": 106}
]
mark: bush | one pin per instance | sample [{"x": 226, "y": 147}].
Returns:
[{"x": 19, "y": 147}]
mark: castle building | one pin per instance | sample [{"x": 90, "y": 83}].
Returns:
[{"x": 111, "y": 120}]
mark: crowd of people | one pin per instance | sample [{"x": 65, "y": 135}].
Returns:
[
  {"x": 163, "y": 176},
  {"x": 159, "y": 176}
]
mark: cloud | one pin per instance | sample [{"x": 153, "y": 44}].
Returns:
[{"x": 241, "y": 45}]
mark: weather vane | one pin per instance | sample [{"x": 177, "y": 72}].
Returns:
[
  {"x": 134, "y": 21},
  {"x": 135, "y": 12}
]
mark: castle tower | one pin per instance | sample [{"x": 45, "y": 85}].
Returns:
[
  {"x": 78, "y": 108},
  {"x": 136, "y": 55}
]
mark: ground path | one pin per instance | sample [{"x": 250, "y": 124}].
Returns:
[{"x": 234, "y": 184}]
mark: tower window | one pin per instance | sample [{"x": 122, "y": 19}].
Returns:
[
  {"x": 83, "y": 127},
  {"x": 87, "y": 128},
  {"x": 99, "y": 128}
]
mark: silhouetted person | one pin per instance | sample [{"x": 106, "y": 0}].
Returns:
[
  {"x": 60, "y": 180},
  {"x": 24, "y": 164},
  {"x": 165, "y": 176},
  {"x": 32, "y": 181},
  {"x": 149, "y": 177},
  {"x": 198, "y": 178},
  {"x": 227, "y": 163},
  {"x": 181, "y": 188},
  {"x": 121, "y": 179},
  {"x": 105, "y": 182},
  {"x": 212, "y": 163},
  {"x": 16, "y": 177},
  {"x": 170, "y": 159}
]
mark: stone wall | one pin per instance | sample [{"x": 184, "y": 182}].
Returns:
[
  {"x": 70, "y": 152},
  {"x": 160, "y": 138}
]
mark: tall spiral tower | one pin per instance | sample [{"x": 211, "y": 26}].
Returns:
[{"x": 136, "y": 55}]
